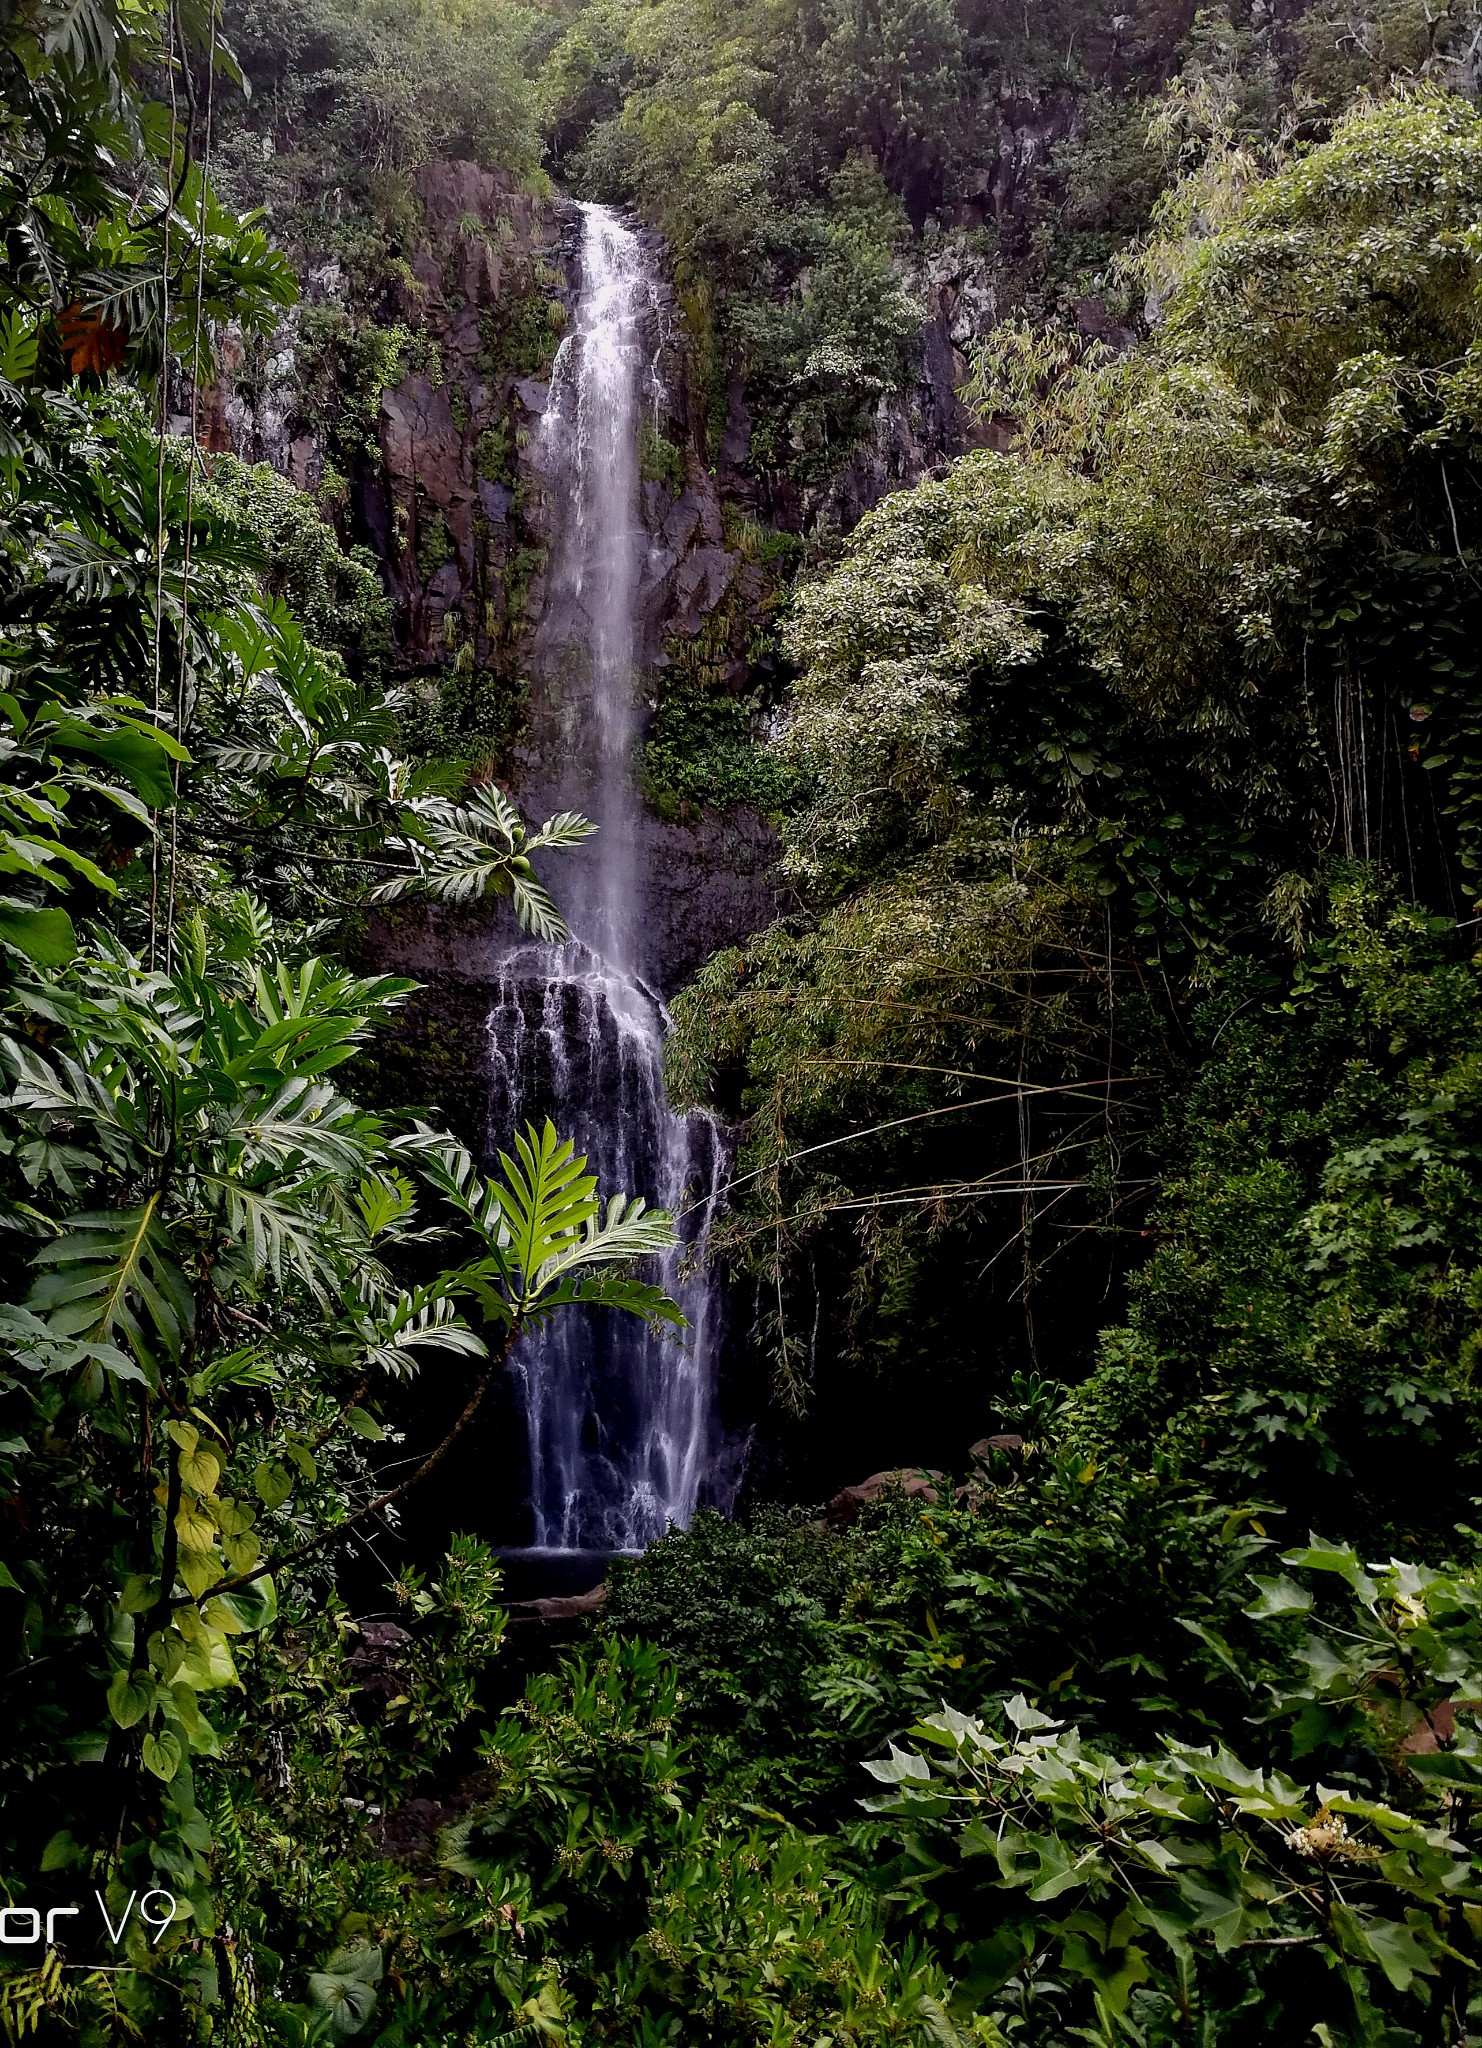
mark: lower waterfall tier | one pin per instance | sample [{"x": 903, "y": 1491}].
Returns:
[{"x": 620, "y": 1421}]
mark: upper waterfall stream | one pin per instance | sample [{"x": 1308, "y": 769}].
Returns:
[{"x": 620, "y": 1420}]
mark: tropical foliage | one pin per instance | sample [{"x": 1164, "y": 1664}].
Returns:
[
  {"x": 1190, "y": 1887},
  {"x": 1082, "y": 731},
  {"x": 214, "y": 1266},
  {"x": 1108, "y": 1095}
]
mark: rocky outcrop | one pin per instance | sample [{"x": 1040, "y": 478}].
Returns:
[
  {"x": 443, "y": 477},
  {"x": 987, "y": 1446},
  {"x": 447, "y": 485},
  {"x": 713, "y": 882},
  {"x": 1029, "y": 127},
  {"x": 459, "y": 507},
  {"x": 918, "y": 1484},
  {"x": 925, "y": 1483},
  {"x": 378, "y": 1661},
  {"x": 448, "y": 488},
  {"x": 558, "y": 1609}
]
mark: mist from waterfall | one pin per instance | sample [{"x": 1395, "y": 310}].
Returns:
[{"x": 620, "y": 1420}]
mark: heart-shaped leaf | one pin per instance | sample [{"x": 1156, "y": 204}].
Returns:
[
  {"x": 130, "y": 1696},
  {"x": 162, "y": 1755}
]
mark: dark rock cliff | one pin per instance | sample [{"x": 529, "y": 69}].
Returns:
[
  {"x": 438, "y": 473},
  {"x": 447, "y": 493}
]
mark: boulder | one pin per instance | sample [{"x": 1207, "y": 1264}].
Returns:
[
  {"x": 558, "y": 1607},
  {"x": 1436, "y": 1726},
  {"x": 377, "y": 1658},
  {"x": 915, "y": 1482}
]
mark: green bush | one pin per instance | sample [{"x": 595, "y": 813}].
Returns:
[{"x": 702, "y": 752}]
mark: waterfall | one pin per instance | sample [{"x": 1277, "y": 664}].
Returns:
[{"x": 620, "y": 1420}]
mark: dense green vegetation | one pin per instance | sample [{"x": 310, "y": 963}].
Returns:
[
  {"x": 1086, "y": 728},
  {"x": 210, "y": 1272},
  {"x": 1111, "y": 1092}
]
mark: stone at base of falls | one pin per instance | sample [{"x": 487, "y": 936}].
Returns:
[
  {"x": 557, "y": 1608},
  {"x": 713, "y": 883},
  {"x": 378, "y": 1657},
  {"x": 915, "y": 1482}
]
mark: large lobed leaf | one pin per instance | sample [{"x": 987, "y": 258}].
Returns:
[{"x": 117, "y": 1271}]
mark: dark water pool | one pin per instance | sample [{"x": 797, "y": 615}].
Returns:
[{"x": 546, "y": 1574}]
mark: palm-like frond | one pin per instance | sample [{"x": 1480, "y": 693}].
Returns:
[
  {"x": 567, "y": 828},
  {"x": 40, "y": 776},
  {"x": 20, "y": 343},
  {"x": 318, "y": 994},
  {"x": 63, "y": 1087},
  {"x": 256, "y": 1365},
  {"x": 548, "y": 1198},
  {"x": 605, "y": 1290},
  {"x": 276, "y": 1231},
  {"x": 81, "y": 34},
  {"x": 384, "y": 1202},
  {"x": 461, "y": 853},
  {"x": 39, "y": 1348},
  {"x": 305, "y": 1122},
  {"x": 117, "y": 1271},
  {"x": 424, "y": 1321},
  {"x": 450, "y": 1168},
  {"x": 545, "y": 1230}
]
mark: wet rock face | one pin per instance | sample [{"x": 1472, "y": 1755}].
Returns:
[
  {"x": 470, "y": 558},
  {"x": 459, "y": 508},
  {"x": 443, "y": 506},
  {"x": 447, "y": 488},
  {"x": 914, "y": 435},
  {"x": 688, "y": 571},
  {"x": 712, "y": 883},
  {"x": 449, "y": 493}
]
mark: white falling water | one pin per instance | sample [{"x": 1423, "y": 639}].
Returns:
[{"x": 620, "y": 1420}]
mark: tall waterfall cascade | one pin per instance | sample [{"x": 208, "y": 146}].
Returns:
[{"x": 620, "y": 1419}]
